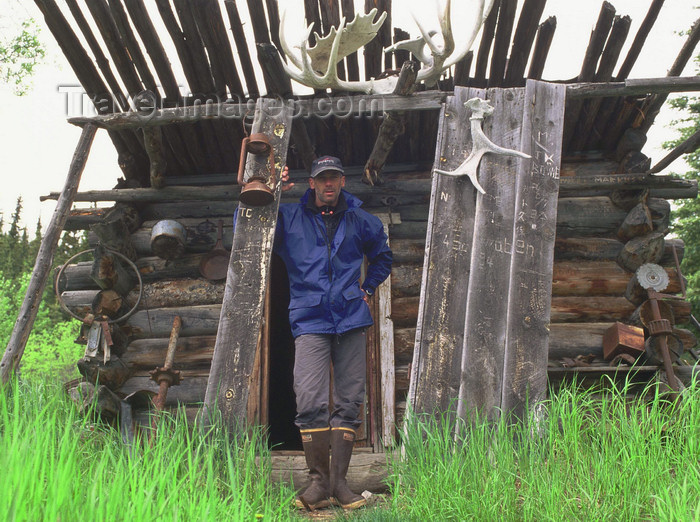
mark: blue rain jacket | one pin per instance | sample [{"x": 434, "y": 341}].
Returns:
[{"x": 324, "y": 279}]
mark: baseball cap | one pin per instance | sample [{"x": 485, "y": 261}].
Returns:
[{"x": 325, "y": 163}]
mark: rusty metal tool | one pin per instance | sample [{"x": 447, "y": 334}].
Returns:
[
  {"x": 165, "y": 376},
  {"x": 654, "y": 280}
]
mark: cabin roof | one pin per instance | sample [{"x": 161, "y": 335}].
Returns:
[{"x": 117, "y": 53}]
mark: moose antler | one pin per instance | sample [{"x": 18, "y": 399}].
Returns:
[{"x": 316, "y": 67}]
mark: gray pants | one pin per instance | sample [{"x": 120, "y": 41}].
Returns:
[{"x": 313, "y": 357}]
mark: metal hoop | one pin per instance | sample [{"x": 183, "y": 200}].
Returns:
[{"x": 92, "y": 250}]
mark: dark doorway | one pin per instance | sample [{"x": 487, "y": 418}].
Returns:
[{"x": 284, "y": 435}]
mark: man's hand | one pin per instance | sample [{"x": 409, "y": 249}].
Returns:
[{"x": 286, "y": 185}]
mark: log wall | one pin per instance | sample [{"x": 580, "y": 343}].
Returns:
[{"x": 589, "y": 278}]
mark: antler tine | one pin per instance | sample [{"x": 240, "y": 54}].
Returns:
[
  {"x": 331, "y": 75},
  {"x": 283, "y": 40},
  {"x": 483, "y": 12},
  {"x": 376, "y": 25},
  {"x": 427, "y": 37},
  {"x": 446, "y": 27}
]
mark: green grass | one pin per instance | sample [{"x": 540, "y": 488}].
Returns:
[
  {"x": 58, "y": 466},
  {"x": 593, "y": 457}
]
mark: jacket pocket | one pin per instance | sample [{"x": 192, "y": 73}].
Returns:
[
  {"x": 353, "y": 292},
  {"x": 305, "y": 301}
]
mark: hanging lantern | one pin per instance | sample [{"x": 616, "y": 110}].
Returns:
[{"x": 257, "y": 177}]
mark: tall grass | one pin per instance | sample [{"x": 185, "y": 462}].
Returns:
[
  {"x": 59, "y": 466},
  {"x": 593, "y": 456}
]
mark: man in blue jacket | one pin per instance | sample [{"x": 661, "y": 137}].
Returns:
[{"x": 323, "y": 241}]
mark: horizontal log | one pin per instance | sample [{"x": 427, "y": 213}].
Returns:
[
  {"x": 404, "y": 342},
  {"x": 565, "y": 340},
  {"x": 408, "y": 251},
  {"x": 576, "y": 309},
  {"x": 158, "y": 322},
  {"x": 189, "y": 391},
  {"x": 405, "y": 279},
  {"x": 160, "y": 294},
  {"x": 191, "y": 353},
  {"x": 404, "y": 311},
  {"x": 598, "y": 216},
  {"x": 588, "y": 278},
  {"x": 633, "y": 87},
  {"x": 178, "y": 293},
  {"x": 586, "y": 248},
  {"x": 667, "y": 187},
  {"x": 368, "y": 105},
  {"x": 569, "y": 278},
  {"x": 578, "y": 179}
]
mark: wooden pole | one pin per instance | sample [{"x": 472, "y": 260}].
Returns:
[
  {"x": 688, "y": 146},
  {"x": 30, "y": 306}
]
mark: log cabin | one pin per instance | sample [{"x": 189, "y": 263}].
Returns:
[{"x": 179, "y": 149}]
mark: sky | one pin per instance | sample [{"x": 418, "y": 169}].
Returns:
[{"x": 37, "y": 143}]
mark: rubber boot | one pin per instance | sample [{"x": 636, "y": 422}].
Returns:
[
  {"x": 316, "y": 449},
  {"x": 342, "y": 442}
]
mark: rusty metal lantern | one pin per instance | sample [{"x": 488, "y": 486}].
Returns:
[{"x": 258, "y": 188}]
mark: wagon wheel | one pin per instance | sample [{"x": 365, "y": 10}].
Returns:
[
  {"x": 92, "y": 250},
  {"x": 652, "y": 347}
]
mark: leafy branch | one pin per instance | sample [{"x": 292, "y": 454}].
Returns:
[{"x": 19, "y": 57}]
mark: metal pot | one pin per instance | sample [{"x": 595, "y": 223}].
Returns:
[
  {"x": 168, "y": 239},
  {"x": 214, "y": 265}
]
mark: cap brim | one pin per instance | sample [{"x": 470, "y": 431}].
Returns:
[{"x": 327, "y": 169}]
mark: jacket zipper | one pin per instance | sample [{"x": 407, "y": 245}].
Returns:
[{"x": 324, "y": 232}]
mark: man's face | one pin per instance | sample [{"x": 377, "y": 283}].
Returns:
[{"x": 327, "y": 186}]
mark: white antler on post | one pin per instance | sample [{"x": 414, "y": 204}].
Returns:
[
  {"x": 316, "y": 67},
  {"x": 480, "y": 144}
]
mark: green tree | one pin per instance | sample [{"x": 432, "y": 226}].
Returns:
[
  {"x": 20, "y": 55},
  {"x": 686, "y": 222}
]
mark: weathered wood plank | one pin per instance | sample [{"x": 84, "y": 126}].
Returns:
[
  {"x": 487, "y": 298},
  {"x": 386, "y": 357},
  {"x": 241, "y": 313},
  {"x": 527, "y": 339},
  {"x": 440, "y": 331}
]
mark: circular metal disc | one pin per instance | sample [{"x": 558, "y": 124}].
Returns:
[{"x": 652, "y": 276}]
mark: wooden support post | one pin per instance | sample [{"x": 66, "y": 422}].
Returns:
[
  {"x": 228, "y": 388},
  {"x": 435, "y": 371},
  {"x": 153, "y": 141},
  {"x": 527, "y": 339},
  {"x": 386, "y": 349},
  {"x": 35, "y": 290},
  {"x": 392, "y": 127}
]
